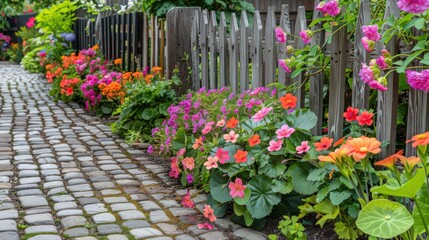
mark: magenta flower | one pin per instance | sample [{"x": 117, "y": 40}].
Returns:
[
  {"x": 261, "y": 114},
  {"x": 30, "y": 22},
  {"x": 366, "y": 74},
  {"x": 367, "y": 44},
  {"x": 275, "y": 145},
  {"x": 181, "y": 152},
  {"x": 237, "y": 188},
  {"x": 418, "y": 80},
  {"x": 381, "y": 62},
  {"x": 205, "y": 225},
  {"x": 329, "y": 8},
  {"x": 371, "y": 76},
  {"x": 303, "y": 148},
  {"x": 284, "y": 64},
  {"x": 222, "y": 155},
  {"x": 284, "y": 132},
  {"x": 280, "y": 35},
  {"x": 371, "y": 32},
  {"x": 306, "y": 36},
  {"x": 413, "y": 6}
]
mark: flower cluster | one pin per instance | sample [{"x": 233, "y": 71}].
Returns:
[
  {"x": 372, "y": 74},
  {"x": 113, "y": 91},
  {"x": 413, "y": 6},
  {"x": 330, "y": 8},
  {"x": 70, "y": 37},
  {"x": 371, "y": 36},
  {"x": 365, "y": 118},
  {"x": 31, "y": 22},
  {"x": 67, "y": 85}
]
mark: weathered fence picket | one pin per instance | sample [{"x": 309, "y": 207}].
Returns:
[
  {"x": 244, "y": 52},
  {"x": 269, "y": 50},
  {"x": 257, "y": 54},
  {"x": 298, "y": 81},
  {"x": 204, "y": 28},
  {"x": 233, "y": 53},
  {"x": 213, "y": 50}
]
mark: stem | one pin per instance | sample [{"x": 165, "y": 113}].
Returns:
[
  {"x": 421, "y": 215},
  {"x": 366, "y": 184},
  {"x": 355, "y": 187}
]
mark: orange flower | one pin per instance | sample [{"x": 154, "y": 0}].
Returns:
[
  {"x": 339, "y": 142},
  {"x": 409, "y": 162},
  {"x": 209, "y": 213},
  {"x": 324, "y": 144},
  {"x": 156, "y": 70},
  {"x": 137, "y": 75},
  {"x": 390, "y": 161},
  {"x": 420, "y": 139},
  {"x": 288, "y": 101},
  {"x": 148, "y": 78},
  {"x": 254, "y": 140},
  {"x": 198, "y": 143},
  {"x": 240, "y": 156},
  {"x": 117, "y": 61},
  {"x": 188, "y": 163},
  {"x": 360, "y": 147},
  {"x": 336, "y": 156},
  {"x": 232, "y": 123},
  {"x": 95, "y": 47}
]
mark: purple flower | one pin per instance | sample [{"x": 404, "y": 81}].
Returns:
[
  {"x": 413, "y": 6},
  {"x": 418, "y": 80},
  {"x": 190, "y": 178},
  {"x": 150, "y": 149}
]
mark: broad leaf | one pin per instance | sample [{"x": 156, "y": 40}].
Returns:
[
  {"x": 327, "y": 210},
  {"x": 423, "y": 200},
  {"x": 218, "y": 208},
  {"x": 282, "y": 186},
  {"x": 273, "y": 169},
  {"x": 299, "y": 174},
  {"x": 337, "y": 197},
  {"x": 219, "y": 188},
  {"x": 262, "y": 198},
  {"x": 302, "y": 118},
  {"x": 409, "y": 189},
  {"x": 244, "y": 200}
]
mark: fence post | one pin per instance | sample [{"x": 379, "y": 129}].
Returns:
[
  {"x": 223, "y": 51},
  {"x": 269, "y": 56},
  {"x": 195, "y": 54},
  {"x": 204, "y": 28},
  {"x": 179, "y": 25},
  {"x": 244, "y": 52},
  {"x": 284, "y": 77},
  {"x": 233, "y": 53},
  {"x": 213, "y": 50},
  {"x": 257, "y": 54},
  {"x": 300, "y": 24}
]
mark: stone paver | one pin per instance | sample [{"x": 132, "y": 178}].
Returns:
[{"x": 74, "y": 179}]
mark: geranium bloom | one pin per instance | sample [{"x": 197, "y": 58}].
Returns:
[
  {"x": 334, "y": 157},
  {"x": 390, "y": 161},
  {"x": 237, "y": 188},
  {"x": 232, "y": 123},
  {"x": 188, "y": 163},
  {"x": 261, "y": 114},
  {"x": 324, "y": 144},
  {"x": 198, "y": 143},
  {"x": 280, "y": 35},
  {"x": 329, "y": 8},
  {"x": 211, "y": 162},
  {"x": 418, "y": 80},
  {"x": 303, "y": 148},
  {"x": 284, "y": 132},
  {"x": 361, "y": 146},
  {"x": 222, "y": 155},
  {"x": 420, "y": 139},
  {"x": 275, "y": 145},
  {"x": 205, "y": 225},
  {"x": 240, "y": 156},
  {"x": 306, "y": 36},
  {"x": 413, "y": 6},
  {"x": 220, "y": 123},
  {"x": 209, "y": 213},
  {"x": 284, "y": 64},
  {"x": 288, "y": 101},
  {"x": 190, "y": 178},
  {"x": 351, "y": 114},
  {"x": 365, "y": 118},
  {"x": 187, "y": 201},
  {"x": 254, "y": 140},
  {"x": 174, "y": 168},
  {"x": 371, "y": 32},
  {"x": 30, "y": 22},
  {"x": 231, "y": 137}
]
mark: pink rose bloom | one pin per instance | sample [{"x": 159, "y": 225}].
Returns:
[
  {"x": 366, "y": 74},
  {"x": 371, "y": 32},
  {"x": 418, "y": 80},
  {"x": 303, "y": 148},
  {"x": 381, "y": 62},
  {"x": 306, "y": 36},
  {"x": 275, "y": 145},
  {"x": 413, "y": 6},
  {"x": 367, "y": 44},
  {"x": 377, "y": 85},
  {"x": 231, "y": 137},
  {"x": 284, "y": 132},
  {"x": 283, "y": 64},
  {"x": 237, "y": 188},
  {"x": 329, "y": 8},
  {"x": 261, "y": 114},
  {"x": 280, "y": 35}
]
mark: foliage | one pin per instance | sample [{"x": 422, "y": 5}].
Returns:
[
  {"x": 291, "y": 229},
  {"x": 59, "y": 18}
]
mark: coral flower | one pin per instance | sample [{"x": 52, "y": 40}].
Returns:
[
  {"x": 188, "y": 163},
  {"x": 275, "y": 145},
  {"x": 240, "y": 156},
  {"x": 261, "y": 114},
  {"x": 174, "y": 171},
  {"x": 156, "y": 70},
  {"x": 231, "y": 137},
  {"x": 198, "y": 143},
  {"x": 409, "y": 162},
  {"x": 360, "y": 147},
  {"x": 222, "y": 155},
  {"x": 351, "y": 114},
  {"x": 303, "y": 148},
  {"x": 205, "y": 225},
  {"x": 288, "y": 101},
  {"x": 334, "y": 157},
  {"x": 390, "y": 161},
  {"x": 117, "y": 61},
  {"x": 237, "y": 188},
  {"x": 211, "y": 162},
  {"x": 209, "y": 213},
  {"x": 284, "y": 132},
  {"x": 365, "y": 118},
  {"x": 280, "y": 35},
  {"x": 232, "y": 123},
  {"x": 420, "y": 139},
  {"x": 254, "y": 140},
  {"x": 187, "y": 201},
  {"x": 324, "y": 144},
  {"x": 220, "y": 123}
]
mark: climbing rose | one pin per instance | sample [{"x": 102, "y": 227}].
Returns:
[
  {"x": 280, "y": 35},
  {"x": 368, "y": 44},
  {"x": 413, "y": 6},
  {"x": 303, "y": 148},
  {"x": 284, "y": 64},
  {"x": 418, "y": 80},
  {"x": 365, "y": 118},
  {"x": 371, "y": 32},
  {"x": 209, "y": 213},
  {"x": 329, "y": 8},
  {"x": 237, "y": 188},
  {"x": 306, "y": 36}
]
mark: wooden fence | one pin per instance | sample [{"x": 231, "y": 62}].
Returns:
[{"x": 15, "y": 23}]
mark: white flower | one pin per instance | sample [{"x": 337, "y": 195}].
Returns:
[{"x": 123, "y": 9}]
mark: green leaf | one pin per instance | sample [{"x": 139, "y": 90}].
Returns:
[
  {"x": 239, "y": 210},
  {"x": 345, "y": 231},
  {"x": 262, "y": 198},
  {"x": 248, "y": 219},
  {"x": 408, "y": 189},
  {"x": 299, "y": 174},
  {"x": 327, "y": 210},
  {"x": 106, "y": 109},
  {"x": 219, "y": 188},
  {"x": 147, "y": 114},
  {"x": 316, "y": 175},
  {"x": 180, "y": 139},
  {"x": 337, "y": 197},
  {"x": 302, "y": 119},
  {"x": 296, "y": 72},
  {"x": 273, "y": 169},
  {"x": 420, "y": 23},
  {"x": 218, "y": 208},
  {"x": 282, "y": 186},
  {"x": 423, "y": 200},
  {"x": 245, "y": 199},
  {"x": 383, "y": 218},
  {"x": 410, "y": 58}
]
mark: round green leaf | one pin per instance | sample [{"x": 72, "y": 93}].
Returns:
[
  {"x": 383, "y": 218},
  {"x": 219, "y": 188},
  {"x": 262, "y": 197},
  {"x": 244, "y": 200},
  {"x": 218, "y": 208}
]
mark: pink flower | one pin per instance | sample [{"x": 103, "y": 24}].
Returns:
[
  {"x": 181, "y": 152},
  {"x": 261, "y": 114},
  {"x": 275, "y": 145},
  {"x": 413, "y": 6},
  {"x": 371, "y": 76},
  {"x": 418, "y": 80},
  {"x": 329, "y": 8},
  {"x": 237, "y": 188},
  {"x": 188, "y": 163},
  {"x": 284, "y": 132},
  {"x": 231, "y": 137},
  {"x": 222, "y": 155},
  {"x": 209, "y": 213},
  {"x": 211, "y": 162},
  {"x": 30, "y": 22},
  {"x": 207, "y": 128},
  {"x": 306, "y": 36},
  {"x": 220, "y": 123},
  {"x": 367, "y": 44},
  {"x": 174, "y": 168},
  {"x": 283, "y": 63},
  {"x": 381, "y": 62},
  {"x": 371, "y": 32},
  {"x": 205, "y": 225},
  {"x": 187, "y": 201},
  {"x": 366, "y": 74},
  {"x": 303, "y": 148},
  {"x": 280, "y": 35}
]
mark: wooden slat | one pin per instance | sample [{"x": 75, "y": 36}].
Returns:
[
  {"x": 257, "y": 54},
  {"x": 244, "y": 52},
  {"x": 360, "y": 96},
  {"x": 204, "y": 28},
  {"x": 301, "y": 24},
  {"x": 109, "y": 40},
  {"x": 104, "y": 36},
  {"x": 162, "y": 46},
  {"x": 270, "y": 61},
  {"x": 284, "y": 77},
  {"x": 233, "y": 53},
  {"x": 213, "y": 50},
  {"x": 145, "y": 49},
  {"x": 134, "y": 40},
  {"x": 117, "y": 39},
  {"x": 152, "y": 41},
  {"x": 123, "y": 40},
  {"x": 128, "y": 37},
  {"x": 337, "y": 83},
  {"x": 387, "y": 103},
  {"x": 316, "y": 80},
  {"x": 195, "y": 54},
  {"x": 156, "y": 36},
  {"x": 223, "y": 51}
]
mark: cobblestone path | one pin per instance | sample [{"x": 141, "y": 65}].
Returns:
[{"x": 64, "y": 175}]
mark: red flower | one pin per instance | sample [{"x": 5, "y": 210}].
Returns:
[
  {"x": 288, "y": 101},
  {"x": 254, "y": 140},
  {"x": 351, "y": 114},
  {"x": 232, "y": 123},
  {"x": 187, "y": 201},
  {"x": 222, "y": 155},
  {"x": 30, "y": 22},
  {"x": 69, "y": 91},
  {"x": 324, "y": 143},
  {"x": 240, "y": 156},
  {"x": 365, "y": 118}
]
